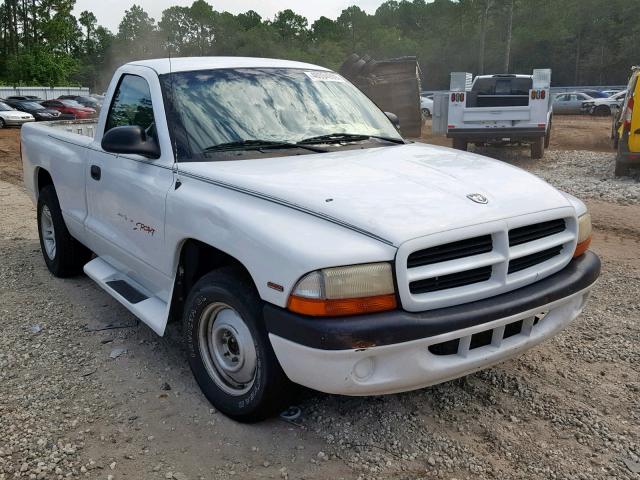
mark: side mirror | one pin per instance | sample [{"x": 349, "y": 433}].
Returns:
[
  {"x": 131, "y": 139},
  {"x": 394, "y": 119}
]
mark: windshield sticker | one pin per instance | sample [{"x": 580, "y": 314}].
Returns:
[{"x": 322, "y": 76}]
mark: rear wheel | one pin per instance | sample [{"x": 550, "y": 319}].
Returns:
[
  {"x": 62, "y": 253},
  {"x": 602, "y": 111},
  {"x": 537, "y": 148},
  {"x": 547, "y": 136},
  {"x": 623, "y": 166},
  {"x": 2, "y": 124},
  {"x": 460, "y": 144},
  {"x": 229, "y": 351}
]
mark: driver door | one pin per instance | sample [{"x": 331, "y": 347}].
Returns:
[{"x": 126, "y": 192}]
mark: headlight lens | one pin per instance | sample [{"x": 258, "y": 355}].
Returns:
[
  {"x": 584, "y": 234},
  {"x": 348, "y": 290}
]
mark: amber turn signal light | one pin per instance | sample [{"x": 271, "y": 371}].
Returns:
[
  {"x": 341, "y": 307},
  {"x": 582, "y": 247}
]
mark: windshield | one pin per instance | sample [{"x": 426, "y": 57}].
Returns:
[
  {"x": 502, "y": 85},
  {"x": 32, "y": 105},
  {"x": 222, "y": 106},
  {"x": 4, "y": 107},
  {"x": 72, "y": 103}
]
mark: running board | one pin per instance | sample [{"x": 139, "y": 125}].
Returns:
[{"x": 148, "y": 308}]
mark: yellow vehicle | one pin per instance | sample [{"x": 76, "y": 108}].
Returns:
[{"x": 626, "y": 128}]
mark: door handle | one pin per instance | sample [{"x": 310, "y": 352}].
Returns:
[{"x": 96, "y": 173}]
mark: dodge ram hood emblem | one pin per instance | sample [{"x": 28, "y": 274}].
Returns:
[{"x": 478, "y": 198}]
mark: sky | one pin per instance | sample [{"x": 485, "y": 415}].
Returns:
[{"x": 110, "y": 12}]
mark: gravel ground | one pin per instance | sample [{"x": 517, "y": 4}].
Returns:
[
  {"x": 585, "y": 174},
  {"x": 568, "y": 409}
]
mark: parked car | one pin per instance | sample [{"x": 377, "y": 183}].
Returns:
[
  {"x": 70, "y": 107},
  {"x": 24, "y": 97},
  {"x": 86, "y": 101},
  {"x": 39, "y": 112},
  {"x": 426, "y": 105},
  {"x": 98, "y": 97},
  {"x": 307, "y": 242},
  {"x": 626, "y": 128},
  {"x": 570, "y": 103},
  {"x": 602, "y": 107},
  {"x": 594, "y": 93},
  {"x": 10, "y": 117}
]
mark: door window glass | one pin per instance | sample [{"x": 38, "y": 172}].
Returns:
[{"x": 132, "y": 105}]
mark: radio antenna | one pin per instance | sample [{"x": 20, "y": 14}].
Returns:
[{"x": 172, "y": 103}]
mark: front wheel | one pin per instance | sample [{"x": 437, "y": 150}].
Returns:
[
  {"x": 229, "y": 351},
  {"x": 602, "y": 111},
  {"x": 2, "y": 124}
]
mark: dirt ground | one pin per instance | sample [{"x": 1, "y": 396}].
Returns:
[
  {"x": 568, "y": 409},
  {"x": 569, "y": 132}
]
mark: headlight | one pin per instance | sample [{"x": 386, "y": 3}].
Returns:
[
  {"x": 584, "y": 234},
  {"x": 342, "y": 291}
]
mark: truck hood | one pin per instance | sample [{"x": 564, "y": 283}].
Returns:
[{"x": 395, "y": 193}]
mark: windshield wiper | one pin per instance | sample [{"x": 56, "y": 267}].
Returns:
[
  {"x": 257, "y": 145},
  {"x": 346, "y": 137}
]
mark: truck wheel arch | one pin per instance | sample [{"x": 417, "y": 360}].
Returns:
[
  {"x": 43, "y": 179},
  {"x": 195, "y": 260}
]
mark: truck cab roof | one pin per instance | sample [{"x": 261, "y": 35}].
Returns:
[{"x": 186, "y": 64}]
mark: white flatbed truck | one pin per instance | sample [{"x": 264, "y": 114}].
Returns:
[{"x": 500, "y": 109}]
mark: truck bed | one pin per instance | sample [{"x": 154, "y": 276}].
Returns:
[{"x": 86, "y": 128}]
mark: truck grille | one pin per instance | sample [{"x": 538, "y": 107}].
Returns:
[
  {"x": 483, "y": 260},
  {"x": 528, "y": 261},
  {"x": 450, "y": 251},
  {"x": 529, "y": 233},
  {"x": 452, "y": 280}
]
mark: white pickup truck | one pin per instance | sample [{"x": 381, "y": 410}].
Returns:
[
  {"x": 500, "y": 109},
  {"x": 279, "y": 213}
]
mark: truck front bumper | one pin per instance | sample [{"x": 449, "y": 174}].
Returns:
[
  {"x": 489, "y": 133},
  {"x": 399, "y": 351}
]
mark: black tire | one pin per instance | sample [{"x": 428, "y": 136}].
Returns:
[
  {"x": 460, "y": 144},
  {"x": 68, "y": 255},
  {"x": 623, "y": 167},
  {"x": 2, "y": 124},
  {"x": 537, "y": 148},
  {"x": 547, "y": 136},
  {"x": 602, "y": 111},
  {"x": 269, "y": 390}
]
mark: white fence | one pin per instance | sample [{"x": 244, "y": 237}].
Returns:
[{"x": 46, "y": 93}]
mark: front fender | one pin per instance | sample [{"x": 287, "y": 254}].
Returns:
[{"x": 275, "y": 243}]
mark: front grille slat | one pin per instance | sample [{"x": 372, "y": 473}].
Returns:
[
  {"x": 450, "y": 251},
  {"x": 528, "y": 261},
  {"x": 486, "y": 264},
  {"x": 452, "y": 280},
  {"x": 529, "y": 233}
]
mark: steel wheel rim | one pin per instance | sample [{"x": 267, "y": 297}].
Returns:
[
  {"x": 227, "y": 349},
  {"x": 48, "y": 232}
]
